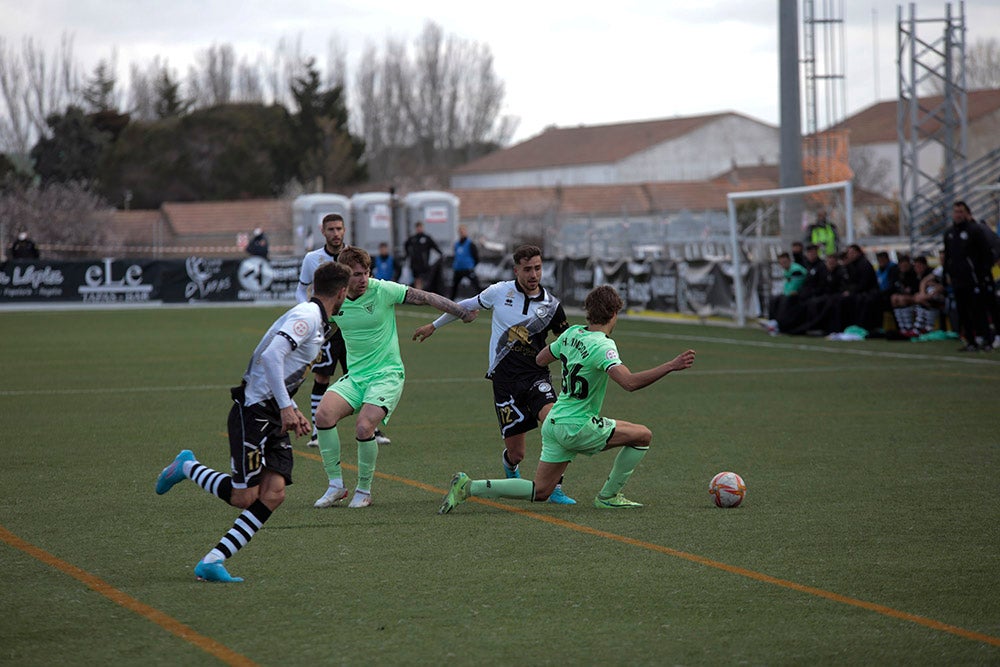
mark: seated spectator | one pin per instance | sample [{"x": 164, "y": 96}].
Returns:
[
  {"x": 862, "y": 304},
  {"x": 917, "y": 304},
  {"x": 784, "y": 310},
  {"x": 899, "y": 297},
  {"x": 822, "y": 308}
]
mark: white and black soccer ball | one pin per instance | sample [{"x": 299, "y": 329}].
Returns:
[{"x": 728, "y": 489}]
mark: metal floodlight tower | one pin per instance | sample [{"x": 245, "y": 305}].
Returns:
[
  {"x": 932, "y": 116},
  {"x": 824, "y": 64}
]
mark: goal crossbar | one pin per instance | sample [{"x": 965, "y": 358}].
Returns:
[{"x": 734, "y": 234}]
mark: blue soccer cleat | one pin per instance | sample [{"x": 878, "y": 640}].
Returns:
[
  {"x": 559, "y": 497},
  {"x": 509, "y": 473},
  {"x": 214, "y": 572},
  {"x": 174, "y": 472}
]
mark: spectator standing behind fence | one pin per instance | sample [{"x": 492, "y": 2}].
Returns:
[
  {"x": 383, "y": 264},
  {"x": 258, "y": 244},
  {"x": 968, "y": 262},
  {"x": 418, "y": 250},
  {"x": 824, "y": 234},
  {"x": 464, "y": 264},
  {"x": 23, "y": 247}
]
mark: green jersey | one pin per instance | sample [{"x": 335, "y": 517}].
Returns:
[
  {"x": 369, "y": 327},
  {"x": 586, "y": 357}
]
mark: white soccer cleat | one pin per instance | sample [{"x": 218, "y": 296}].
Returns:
[
  {"x": 314, "y": 442},
  {"x": 333, "y": 495},
  {"x": 382, "y": 439},
  {"x": 360, "y": 499}
]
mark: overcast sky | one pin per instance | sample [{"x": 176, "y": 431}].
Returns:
[{"x": 563, "y": 62}]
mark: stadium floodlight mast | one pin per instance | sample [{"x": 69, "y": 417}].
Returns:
[{"x": 778, "y": 193}]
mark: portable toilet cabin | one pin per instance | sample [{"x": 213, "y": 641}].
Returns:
[
  {"x": 372, "y": 213},
  {"x": 307, "y": 217},
  {"x": 439, "y": 213}
]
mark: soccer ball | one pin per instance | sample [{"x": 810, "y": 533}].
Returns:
[{"x": 727, "y": 489}]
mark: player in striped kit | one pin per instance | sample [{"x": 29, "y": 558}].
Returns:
[
  {"x": 524, "y": 313},
  {"x": 260, "y": 420}
]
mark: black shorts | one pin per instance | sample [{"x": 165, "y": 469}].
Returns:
[
  {"x": 333, "y": 352},
  {"x": 518, "y": 403},
  {"x": 256, "y": 442}
]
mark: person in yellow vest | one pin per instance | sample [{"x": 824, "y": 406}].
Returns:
[{"x": 824, "y": 234}]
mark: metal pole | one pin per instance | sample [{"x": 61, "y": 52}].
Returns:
[
  {"x": 741, "y": 316},
  {"x": 791, "y": 117}
]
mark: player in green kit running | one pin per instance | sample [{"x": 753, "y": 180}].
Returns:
[
  {"x": 374, "y": 383},
  {"x": 574, "y": 425}
]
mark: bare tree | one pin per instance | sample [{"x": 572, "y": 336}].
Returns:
[
  {"x": 64, "y": 218},
  {"x": 15, "y": 122},
  {"x": 434, "y": 111},
  {"x": 250, "y": 81},
  {"x": 211, "y": 80},
  {"x": 142, "y": 90},
  {"x": 871, "y": 172},
  {"x": 982, "y": 68},
  {"x": 33, "y": 86},
  {"x": 52, "y": 84}
]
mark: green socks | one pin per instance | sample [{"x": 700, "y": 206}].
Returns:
[
  {"x": 522, "y": 489},
  {"x": 329, "y": 449},
  {"x": 367, "y": 453},
  {"x": 626, "y": 461}
]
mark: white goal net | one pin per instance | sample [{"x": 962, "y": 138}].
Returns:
[{"x": 738, "y": 238}]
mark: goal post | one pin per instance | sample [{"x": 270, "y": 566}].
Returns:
[{"x": 778, "y": 193}]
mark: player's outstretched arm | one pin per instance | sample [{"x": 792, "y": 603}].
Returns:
[
  {"x": 419, "y": 297},
  {"x": 630, "y": 381},
  {"x": 424, "y": 332}
]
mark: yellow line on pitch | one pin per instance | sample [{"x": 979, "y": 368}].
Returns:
[
  {"x": 168, "y": 623},
  {"x": 701, "y": 560}
]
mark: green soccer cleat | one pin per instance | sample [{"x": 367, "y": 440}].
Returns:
[
  {"x": 214, "y": 572},
  {"x": 559, "y": 497},
  {"x": 617, "y": 501},
  {"x": 458, "y": 492},
  {"x": 173, "y": 473}
]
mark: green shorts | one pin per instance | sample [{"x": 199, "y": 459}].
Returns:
[
  {"x": 563, "y": 441},
  {"x": 383, "y": 390}
]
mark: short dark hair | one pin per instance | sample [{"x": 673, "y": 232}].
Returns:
[
  {"x": 330, "y": 217},
  {"x": 352, "y": 255},
  {"x": 797, "y": 243},
  {"x": 601, "y": 304},
  {"x": 784, "y": 255},
  {"x": 920, "y": 259},
  {"x": 812, "y": 246},
  {"x": 903, "y": 258},
  {"x": 964, "y": 205},
  {"x": 330, "y": 278},
  {"x": 881, "y": 254},
  {"x": 526, "y": 251}
]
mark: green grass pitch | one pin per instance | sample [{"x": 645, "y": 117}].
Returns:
[{"x": 869, "y": 534}]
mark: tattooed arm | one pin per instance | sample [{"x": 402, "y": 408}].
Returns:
[{"x": 419, "y": 297}]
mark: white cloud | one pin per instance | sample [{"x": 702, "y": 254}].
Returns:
[{"x": 563, "y": 63}]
